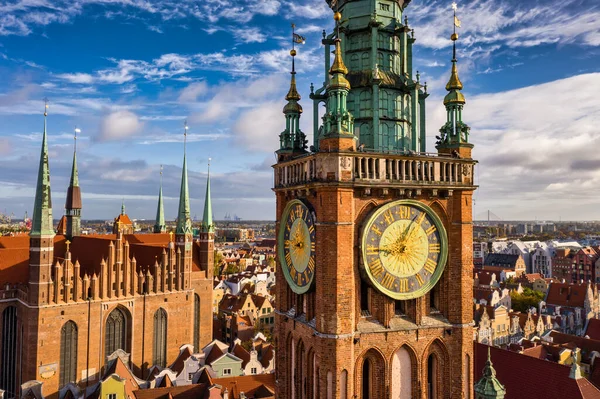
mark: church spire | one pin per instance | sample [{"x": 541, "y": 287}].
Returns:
[
  {"x": 488, "y": 387},
  {"x": 207, "y": 220},
  {"x": 159, "y": 226},
  {"x": 455, "y": 132},
  {"x": 292, "y": 139},
  {"x": 41, "y": 224},
  {"x": 337, "y": 120},
  {"x": 73, "y": 203},
  {"x": 184, "y": 223}
]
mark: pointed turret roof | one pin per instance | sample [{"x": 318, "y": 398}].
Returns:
[
  {"x": 488, "y": 387},
  {"x": 454, "y": 85},
  {"x": 159, "y": 226},
  {"x": 74, "y": 192},
  {"x": 207, "y": 219},
  {"x": 184, "y": 223},
  {"x": 41, "y": 224}
]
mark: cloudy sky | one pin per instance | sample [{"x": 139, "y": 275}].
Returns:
[{"x": 129, "y": 72}]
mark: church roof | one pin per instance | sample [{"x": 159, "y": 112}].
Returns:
[{"x": 530, "y": 377}]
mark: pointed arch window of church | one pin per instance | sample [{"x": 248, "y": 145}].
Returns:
[
  {"x": 159, "y": 352},
  {"x": 367, "y": 378},
  {"x": 116, "y": 332},
  {"x": 8, "y": 354},
  {"x": 432, "y": 374},
  {"x": 196, "y": 323},
  {"x": 68, "y": 353}
]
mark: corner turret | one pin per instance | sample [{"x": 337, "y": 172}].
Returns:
[
  {"x": 454, "y": 135},
  {"x": 488, "y": 387}
]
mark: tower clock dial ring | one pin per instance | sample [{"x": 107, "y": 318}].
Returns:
[
  {"x": 404, "y": 248},
  {"x": 296, "y": 246}
]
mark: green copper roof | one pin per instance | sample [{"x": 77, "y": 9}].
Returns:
[
  {"x": 41, "y": 223},
  {"x": 184, "y": 224},
  {"x": 207, "y": 220},
  {"x": 159, "y": 226},
  {"x": 123, "y": 207},
  {"x": 488, "y": 387}
]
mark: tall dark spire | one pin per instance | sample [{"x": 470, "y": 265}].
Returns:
[
  {"x": 41, "y": 224},
  {"x": 207, "y": 219},
  {"x": 184, "y": 223},
  {"x": 73, "y": 202},
  {"x": 159, "y": 226}
]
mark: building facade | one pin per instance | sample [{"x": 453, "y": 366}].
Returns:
[
  {"x": 356, "y": 316},
  {"x": 68, "y": 302}
]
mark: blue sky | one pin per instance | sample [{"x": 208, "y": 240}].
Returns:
[{"x": 129, "y": 72}]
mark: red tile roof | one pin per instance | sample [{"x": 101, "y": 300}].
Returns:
[
  {"x": 592, "y": 329},
  {"x": 194, "y": 391},
  {"x": 254, "y": 386},
  {"x": 179, "y": 363},
  {"x": 564, "y": 294},
  {"x": 529, "y": 377}
]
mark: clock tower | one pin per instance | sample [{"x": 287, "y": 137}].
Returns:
[{"x": 374, "y": 298}]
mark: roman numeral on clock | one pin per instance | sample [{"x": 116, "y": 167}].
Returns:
[
  {"x": 389, "y": 217},
  {"x": 430, "y": 230},
  {"x": 430, "y": 266},
  {"x": 388, "y": 281},
  {"x": 376, "y": 268},
  {"x": 311, "y": 264},
  {"x": 403, "y": 285},
  {"x": 420, "y": 218},
  {"x": 434, "y": 248},
  {"x": 288, "y": 259},
  {"x": 419, "y": 279}
]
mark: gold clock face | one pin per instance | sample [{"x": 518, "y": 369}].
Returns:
[
  {"x": 404, "y": 249},
  {"x": 296, "y": 246}
]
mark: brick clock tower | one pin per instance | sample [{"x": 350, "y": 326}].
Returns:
[{"x": 374, "y": 233}]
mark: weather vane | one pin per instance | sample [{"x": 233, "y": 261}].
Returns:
[
  {"x": 454, "y": 36},
  {"x": 77, "y": 130},
  {"x": 185, "y": 129}
]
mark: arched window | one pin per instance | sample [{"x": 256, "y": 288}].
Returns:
[
  {"x": 382, "y": 66},
  {"x": 8, "y": 356},
  {"x": 354, "y": 62},
  {"x": 367, "y": 377},
  {"x": 364, "y": 60},
  {"x": 365, "y": 104},
  {"x": 402, "y": 374},
  {"x": 68, "y": 353},
  {"x": 432, "y": 372},
  {"x": 159, "y": 351},
  {"x": 384, "y": 104},
  {"x": 116, "y": 332},
  {"x": 344, "y": 385},
  {"x": 196, "y": 323}
]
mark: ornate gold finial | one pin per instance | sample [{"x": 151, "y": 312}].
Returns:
[
  {"x": 45, "y": 106},
  {"x": 170, "y": 236},
  {"x": 337, "y": 16},
  {"x": 68, "y": 243}
]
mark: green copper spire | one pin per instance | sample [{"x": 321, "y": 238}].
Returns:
[
  {"x": 184, "y": 223},
  {"x": 292, "y": 139},
  {"x": 337, "y": 121},
  {"x": 207, "y": 220},
  {"x": 159, "y": 226},
  {"x": 41, "y": 224},
  {"x": 454, "y": 131},
  {"x": 488, "y": 387}
]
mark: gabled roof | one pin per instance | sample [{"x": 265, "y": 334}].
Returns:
[
  {"x": 530, "y": 377},
  {"x": 194, "y": 391},
  {"x": 249, "y": 384},
  {"x": 564, "y": 294},
  {"x": 179, "y": 363},
  {"x": 240, "y": 352},
  {"x": 214, "y": 354},
  {"x": 502, "y": 260}
]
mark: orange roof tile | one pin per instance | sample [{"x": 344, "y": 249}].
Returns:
[{"x": 249, "y": 384}]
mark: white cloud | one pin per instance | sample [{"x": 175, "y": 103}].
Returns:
[
  {"x": 119, "y": 125},
  {"x": 82, "y": 78},
  {"x": 534, "y": 151},
  {"x": 249, "y": 35},
  {"x": 193, "y": 91},
  {"x": 257, "y": 129}
]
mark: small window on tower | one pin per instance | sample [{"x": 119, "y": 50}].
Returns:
[
  {"x": 384, "y": 7},
  {"x": 364, "y": 299},
  {"x": 400, "y": 308}
]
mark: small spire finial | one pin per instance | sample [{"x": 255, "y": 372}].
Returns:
[
  {"x": 77, "y": 130},
  {"x": 45, "y": 106},
  {"x": 123, "y": 206},
  {"x": 185, "y": 130}
]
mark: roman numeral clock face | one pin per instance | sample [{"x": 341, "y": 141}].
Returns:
[
  {"x": 404, "y": 249},
  {"x": 296, "y": 246}
]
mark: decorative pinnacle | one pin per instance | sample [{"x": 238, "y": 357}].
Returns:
[
  {"x": 185, "y": 129},
  {"x": 45, "y": 106},
  {"x": 77, "y": 130}
]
